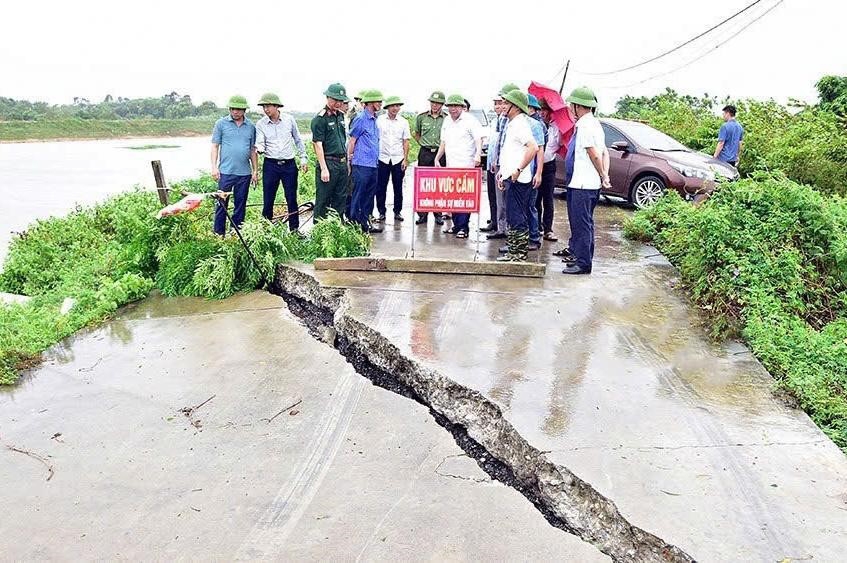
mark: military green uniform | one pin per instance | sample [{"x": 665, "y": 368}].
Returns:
[
  {"x": 429, "y": 128},
  {"x": 328, "y": 128}
]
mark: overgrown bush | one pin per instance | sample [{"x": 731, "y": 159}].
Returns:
[
  {"x": 114, "y": 253},
  {"x": 767, "y": 257}
]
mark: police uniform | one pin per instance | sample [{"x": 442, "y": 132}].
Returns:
[
  {"x": 328, "y": 128},
  {"x": 428, "y": 127}
]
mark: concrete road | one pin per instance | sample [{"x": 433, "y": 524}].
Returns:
[
  {"x": 615, "y": 376},
  {"x": 352, "y": 472}
]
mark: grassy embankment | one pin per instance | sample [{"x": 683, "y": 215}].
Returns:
[
  {"x": 116, "y": 252},
  {"x": 76, "y": 128}
]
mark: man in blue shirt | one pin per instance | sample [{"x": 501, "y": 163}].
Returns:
[
  {"x": 363, "y": 155},
  {"x": 234, "y": 161},
  {"x": 730, "y": 138}
]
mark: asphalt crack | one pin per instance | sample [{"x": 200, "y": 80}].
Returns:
[{"x": 477, "y": 425}]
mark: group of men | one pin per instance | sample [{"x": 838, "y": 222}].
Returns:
[{"x": 357, "y": 154}]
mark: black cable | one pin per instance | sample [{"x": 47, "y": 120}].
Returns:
[
  {"x": 677, "y": 48},
  {"x": 710, "y": 51}
]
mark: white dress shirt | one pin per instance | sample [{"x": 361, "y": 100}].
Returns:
[
  {"x": 460, "y": 137},
  {"x": 518, "y": 136},
  {"x": 589, "y": 133},
  {"x": 278, "y": 140},
  {"x": 553, "y": 143},
  {"x": 392, "y": 134}
]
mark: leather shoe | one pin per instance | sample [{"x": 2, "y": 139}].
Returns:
[
  {"x": 439, "y": 220},
  {"x": 495, "y": 236},
  {"x": 375, "y": 230},
  {"x": 564, "y": 253},
  {"x": 575, "y": 270},
  {"x": 503, "y": 249},
  {"x": 420, "y": 220},
  {"x": 398, "y": 217}
]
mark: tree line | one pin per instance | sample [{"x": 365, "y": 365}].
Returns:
[{"x": 168, "y": 106}]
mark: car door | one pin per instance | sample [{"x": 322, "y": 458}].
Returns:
[{"x": 619, "y": 162}]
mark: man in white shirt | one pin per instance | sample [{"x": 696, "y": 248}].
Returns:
[
  {"x": 277, "y": 138},
  {"x": 461, "y": 142},
  {"x": 589, "y": 175},
  {"x": 517, "y": 151},
  {"x": 394, "y": 135},
  {"x": 544, "y": 200}
]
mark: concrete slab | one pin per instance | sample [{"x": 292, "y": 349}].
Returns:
[
  {"x": 430, "y": 266},
  {"x": 613, "y": 374},
  {"x": 352, "y": 472}
]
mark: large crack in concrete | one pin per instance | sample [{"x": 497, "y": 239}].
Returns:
[{"x": 477, "y": 425}]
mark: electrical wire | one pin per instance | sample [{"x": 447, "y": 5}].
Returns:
[
  {"x": 678, "y": 47},
  {"x": 709, "y": 52}
]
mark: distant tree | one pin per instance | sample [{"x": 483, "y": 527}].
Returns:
[{"x": 832, "y": 91}]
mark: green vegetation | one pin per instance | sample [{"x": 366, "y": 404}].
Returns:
[
  {"x": 116, "y": 252},
  {"x": 806, "y": 143},
  {"x": 77, "y": 128},
  {"x": 169, "y": 106},
  {"x": 767, "y": 258}
]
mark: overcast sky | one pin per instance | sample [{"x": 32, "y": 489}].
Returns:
[{"x": 55, "y": 50}]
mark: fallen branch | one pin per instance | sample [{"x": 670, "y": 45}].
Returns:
[
  {"x": 189, "y": 412},
  {"x": 271, "y": 419},
  {"x": 35, "y": 456}
]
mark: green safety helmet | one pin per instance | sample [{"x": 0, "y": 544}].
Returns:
[
  {"x": 456, "y": 100},
  {"x": 371, "y": 96},
  {"x": 358, "y": 97},
  {"x": 269, "y": 99},
  {"x": 583, "y": 96},
  {"x": 237, "y": 102},
  {"x": 508, "y": 88},
  {"x": 517, "y": 98},
  {"x": 337, "y": 91},
  {"x": 437, "y": 97},
  {"x": 393, "y": 101}
]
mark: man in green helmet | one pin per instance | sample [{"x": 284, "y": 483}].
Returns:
[
  {"x": 277, "y": 138},
  {"x": 427, "y": 133},
  {"x": 501, "y": 226},
  {"x": 589, "y": 175},
  {"x": 234, "y": 161},
  {"x": 329, "y": 138},
  {"x": 363, "y": 155}
]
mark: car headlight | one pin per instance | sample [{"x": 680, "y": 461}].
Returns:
[{"x": 692, "y": 171}]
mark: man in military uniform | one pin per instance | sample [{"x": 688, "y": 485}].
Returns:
[
  {"x": 329, "y": 138},
  {"x": 428, "y": 134}
]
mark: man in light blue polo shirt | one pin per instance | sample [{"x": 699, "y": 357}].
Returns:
[
  {"x": 234, "y": 161},
  {"x": 363, "y": 155},
  {"x": 730, "y": 138}
]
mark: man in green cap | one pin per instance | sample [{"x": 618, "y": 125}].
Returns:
[
  {"x": 428, "y": 134},
  {"x": 234, "y": 161},
  {"x": 394, "y": 135},
  {"x": 589, "y": 175},
  {"x": 501, "y": 226},
  {"x": 518, "y": 149},
  {"x": 277, "y": 138},
  {"x": 329, "y": 138},
  {"x": 363, "y": 155}
]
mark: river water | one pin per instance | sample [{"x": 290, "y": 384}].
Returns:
[{"x": 39, "y": 180}]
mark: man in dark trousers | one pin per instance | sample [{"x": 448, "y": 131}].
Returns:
[
  {"x": 234, "y": 161},
  {"x": 329, "y": 138},
  {"x": 277, "y": 138},
  {"x": 428, "y": 134}
]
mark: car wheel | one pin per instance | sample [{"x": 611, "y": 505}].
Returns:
[{"x": 646, "y": 191}]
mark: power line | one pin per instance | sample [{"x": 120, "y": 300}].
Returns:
[
  {"x": 709, "y": 52},
  {"x": 678, "y": 47}
]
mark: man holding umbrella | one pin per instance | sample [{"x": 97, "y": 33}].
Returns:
[
  {"x": 234, "y": 161},
  {"x": 277, "y": 138}
]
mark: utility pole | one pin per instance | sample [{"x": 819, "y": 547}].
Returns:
[{"x": 562, "y": 87}]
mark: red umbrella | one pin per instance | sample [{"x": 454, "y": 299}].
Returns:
[{"x": 561, "y": 113}]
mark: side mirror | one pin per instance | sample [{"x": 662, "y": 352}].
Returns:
[{"x": 622, "y": 146}]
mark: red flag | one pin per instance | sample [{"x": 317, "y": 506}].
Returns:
[
  {"x": 561, "y": 113},
  {"x": 186, "y": 204}
]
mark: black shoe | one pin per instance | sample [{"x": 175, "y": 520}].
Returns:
[
  {"x": 533, "y": 245},
  {"x": 398, "y": 217},
  {"x": 420, "y": 220},
  {"x": 375, "y": 229},
  {"x": 450, "y": 231},
  {"x": 439, "y": 220},
  {"x": 495, "y": 236},
  {"x": 564, "y": 253},
  {"x": 575, "y": 270},
  {"x": 381, "y": 218},
  {"x": 486, "y": 229},
  {"x": 569, "y": 260},
  {"x": 503, "y": 249}
]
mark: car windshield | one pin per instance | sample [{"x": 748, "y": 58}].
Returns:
[
  {"x": 481, "y": 116},
  {"x": 646, "y": 136}
]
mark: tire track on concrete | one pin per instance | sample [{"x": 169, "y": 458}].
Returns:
[{"x": 267, "y": 538}]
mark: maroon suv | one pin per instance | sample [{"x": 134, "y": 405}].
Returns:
[{"x": 644, "y": 162}]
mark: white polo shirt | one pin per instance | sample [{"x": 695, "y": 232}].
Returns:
[
  {"x": 589, "y": 133},
  {"x": 518, "y": 136},
  {"x": 392, "y": 133},
  {"x": 459, "y": 137}
]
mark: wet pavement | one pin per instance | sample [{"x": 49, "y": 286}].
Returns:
[
  {"x": 614, "y": 376},
  {"x": 350, "y": 472}
]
